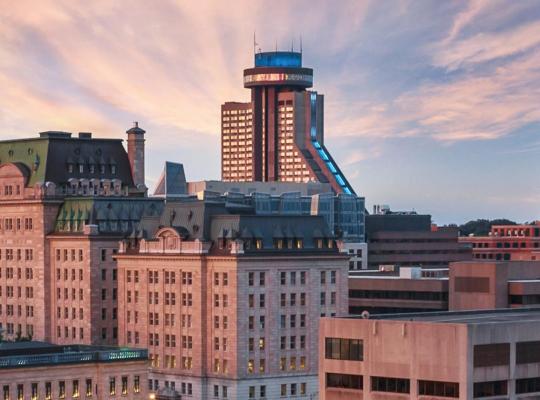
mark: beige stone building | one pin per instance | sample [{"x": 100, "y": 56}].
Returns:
[
  {"x": 65, "y": 202},
  {"x": 228, "y": 302},
  {"x": 467, "y": 355},
  {"x": 38, "y": 370}
]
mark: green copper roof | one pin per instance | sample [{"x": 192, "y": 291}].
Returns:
[
  {"x": 48, "y": 157},
  {"x": 111, "y": 215},
  {"x": 32, "y": 153}
]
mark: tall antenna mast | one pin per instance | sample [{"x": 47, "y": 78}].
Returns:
[
  {"x": 254, "y": 43},
  {"x": 300, "y": 44},
  {"x": 292, "y": 45}
]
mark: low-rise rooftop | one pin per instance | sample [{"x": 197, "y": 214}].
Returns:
[{"x": 472, "y": 317}]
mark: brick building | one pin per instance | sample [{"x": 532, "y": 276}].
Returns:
[
  {"x": 65, "y": 202},
  {"x": 227, "y": 301},
  {"x": 38, "y": 370},
  {"x": 507, "y": 243}
]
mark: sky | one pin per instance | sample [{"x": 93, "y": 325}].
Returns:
[{"x": 429, "y": 105}]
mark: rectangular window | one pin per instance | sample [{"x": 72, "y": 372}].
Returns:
[
  {"x": 392, "y": 385},
  {"x": 124, "y": 385},
  {"x": 527, "y": 385},
  {"x": 488, "y": 355},
  {"x": 344, "y": 349},
  {"x": 112, "y": 386},
  {"x": 439, "y": 389},
  {"x": 48, "y": 391},
  {"x": 136, "y": 384},
  {"x": 488, "y": 389},
  {"x": 344, "y": 381},
  {"x": 75, "y": 389},
  {"x": 62, "y": 389},
  {"x": 527, "y": 352},
  {"x": 34, "y": 394}
]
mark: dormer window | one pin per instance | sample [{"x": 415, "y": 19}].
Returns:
[
  {"x": 278, "y": 243},
  {"x": 102, "y": 169},
  {"x": 299, "y": 243},
  {"x": 92, "y": 168},
  {"x": 113, "y": 169},
  {"x": 259, "y": 244},
  {"x": 70, "y": 168},
  {"x": 319, "y": 243},
  {"x": 81, "y": 168}
]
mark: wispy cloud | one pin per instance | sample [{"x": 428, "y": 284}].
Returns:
[
  {"x": 484, "y": 47},
  {"x": 445, "y": 72}
]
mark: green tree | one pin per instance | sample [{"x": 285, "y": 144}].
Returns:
[{"x": 481, "y": 227}]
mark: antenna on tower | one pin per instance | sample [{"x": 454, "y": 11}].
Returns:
[
  {"x": 292, "y": 45},
  {"x": 276, "y": 45},
  {"x": 300, "y": 44},
  {"x": 254, "y": 43}
]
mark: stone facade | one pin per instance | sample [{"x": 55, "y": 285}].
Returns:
[
  {"x": 63, "y": 201},
  {"x": 222, "y": 320}
]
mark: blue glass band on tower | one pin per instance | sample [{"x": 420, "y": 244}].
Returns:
[
  {"x": 322, "y": 153},
  {"x": 278, "y": 59}
]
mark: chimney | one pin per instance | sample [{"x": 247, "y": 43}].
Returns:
[{"x": 135, "y": 144}]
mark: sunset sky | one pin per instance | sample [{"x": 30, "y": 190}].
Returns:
[{"x": 429, "y": 105}]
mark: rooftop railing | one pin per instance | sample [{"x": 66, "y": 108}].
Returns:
[{"x": 73, "y": 358}]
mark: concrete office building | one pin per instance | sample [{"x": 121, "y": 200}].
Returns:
[
  {"x": 409, "y": 239},
  {"x": 228, "y": 301},
  {"x": 39, "y": 370},
  {"x": 472, "y": 285},
  {"x": 507, "y": 242},
  {"x": 462, "y": 355},
  {"x": 408, "y": 289},
  {"x": 279, "y": 134}
]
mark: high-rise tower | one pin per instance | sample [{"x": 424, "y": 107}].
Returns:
[{"x": 279, "y": 135}]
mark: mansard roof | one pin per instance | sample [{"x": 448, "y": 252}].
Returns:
[
  {"x": 120, "y": 216},
  {"x": 48, "y": 156}
]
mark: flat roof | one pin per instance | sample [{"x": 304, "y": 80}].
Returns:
[
  {"x": 396, "y": 278},
  {"x": 472, "y": 317}
]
